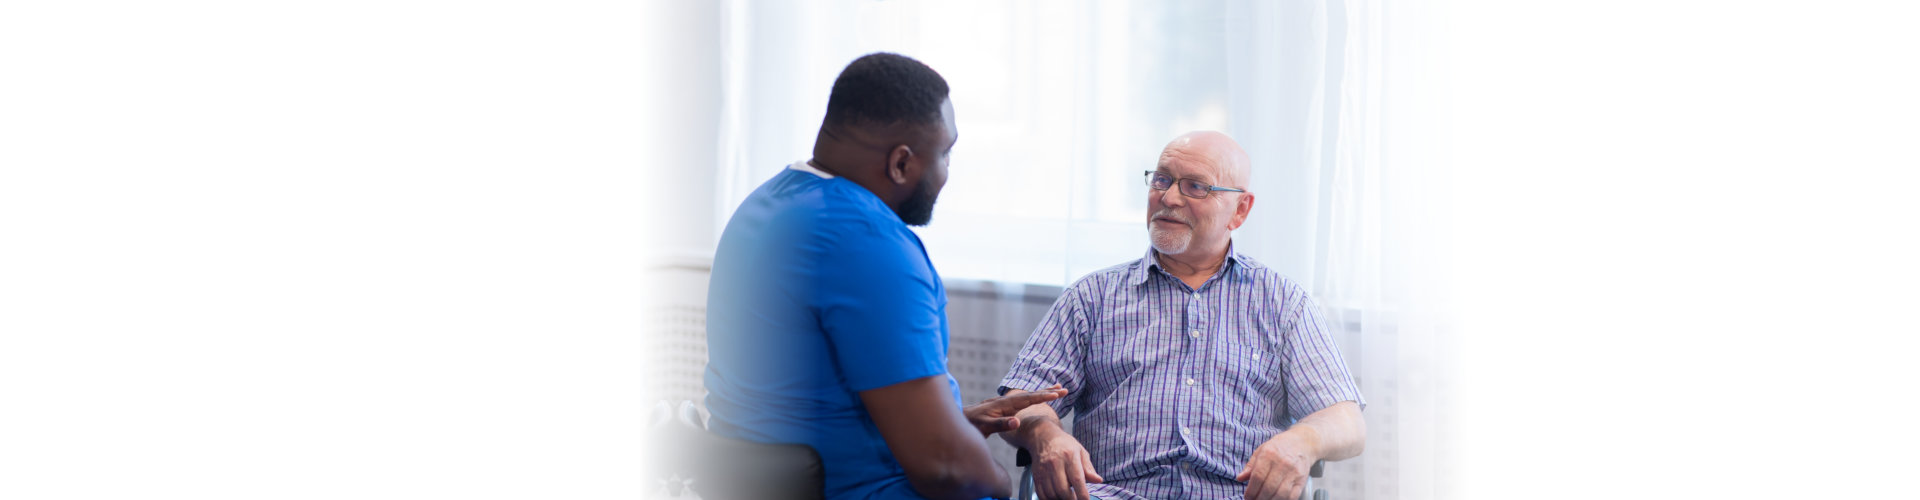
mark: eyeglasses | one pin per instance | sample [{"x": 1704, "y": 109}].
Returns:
[{"x": 1192, "y": 188}]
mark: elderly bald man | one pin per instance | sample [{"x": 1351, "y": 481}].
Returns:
[{"x": 1196, "y": 371}]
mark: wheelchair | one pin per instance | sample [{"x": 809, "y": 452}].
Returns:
[{"x": 1025, "y": 461}]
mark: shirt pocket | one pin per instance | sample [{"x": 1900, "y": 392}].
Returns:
[
  {"x": 1251, "y": 377},
  {"x": 1121, "y": 344}
]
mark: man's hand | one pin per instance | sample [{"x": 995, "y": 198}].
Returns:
[
  {"x": 1061, "y": 467},
  {"x": 1278, "y": 470},
  {"x": 930, "y": 440},
  {"x": 996, "y": 414}
]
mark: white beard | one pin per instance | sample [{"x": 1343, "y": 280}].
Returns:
[{"x": 1170, "y": 241}]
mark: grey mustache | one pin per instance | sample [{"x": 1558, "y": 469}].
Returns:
[{"x": 1170, "y": 215}]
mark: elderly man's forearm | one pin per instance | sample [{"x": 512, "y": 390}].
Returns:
[
  {"x": 1336, "y": 432},
  {"x": 1036, "y": 422}
]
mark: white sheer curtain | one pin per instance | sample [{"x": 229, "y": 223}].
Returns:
[
  {"x": 1335, "y": 101},
  {"x": 1061, "y": 105},
  {"x": 1375, "y": 222}
]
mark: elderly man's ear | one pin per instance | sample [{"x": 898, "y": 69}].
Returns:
[{"x": 1241, "y": 208}]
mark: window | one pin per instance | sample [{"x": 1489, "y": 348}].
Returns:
[{"x": 1060, "y": 106}]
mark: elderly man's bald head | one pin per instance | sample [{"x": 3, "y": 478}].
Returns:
[{"x": 1229, "y": 163}]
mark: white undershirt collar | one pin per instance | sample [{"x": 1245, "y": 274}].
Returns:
[{"x": 804, "y": 167}]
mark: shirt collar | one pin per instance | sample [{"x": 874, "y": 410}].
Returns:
[{"x": 1148, "y": 264}]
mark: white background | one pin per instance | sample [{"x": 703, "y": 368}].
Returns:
[
  {"x": 323, "y": 250},
  {"x": 395, "y": 249}
]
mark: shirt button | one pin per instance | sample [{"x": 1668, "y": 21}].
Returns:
[
  {"x": 1191, "y": 382},
  {"x": 1196, "y": 334},
  {"x": 1256, "y": 356}
]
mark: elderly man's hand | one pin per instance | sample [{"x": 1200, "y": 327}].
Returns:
[
  {"x": 996, "y": 414},
  {"x": 1061, "y": 467},
  {"x": 1278, "y": 469}
]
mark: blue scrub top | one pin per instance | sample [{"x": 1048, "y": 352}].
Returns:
[{"x": 819, "y": 291}]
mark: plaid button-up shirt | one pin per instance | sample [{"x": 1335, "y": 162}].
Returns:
[{"x": 1174, "y": 387}]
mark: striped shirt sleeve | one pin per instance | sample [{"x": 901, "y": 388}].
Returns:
[
  {"x": 1053, "y": 354},
  {"x": 1316, "y": 375}
]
